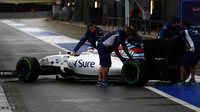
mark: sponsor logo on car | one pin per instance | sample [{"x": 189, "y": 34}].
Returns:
[
  {"x": 159, "y": 59},
  {"x": 85, "y": 64}
]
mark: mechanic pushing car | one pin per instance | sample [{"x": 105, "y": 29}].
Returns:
[
  {"x": 93, "y": 34},
  {"x": 191, "y": 57},
  {"x": 108, "y": 44},
  {"x": 170, "y": 30}
]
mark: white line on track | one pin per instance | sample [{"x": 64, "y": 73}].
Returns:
[
  {"x": 173, "y": 98},
  {"x": 197, "y": 78},
  {"x": 48, "y": 39},
  {"x": 17, "y": 24},
  {"x": 32, "y": 29},
  {"x": 4, "y": 101}
]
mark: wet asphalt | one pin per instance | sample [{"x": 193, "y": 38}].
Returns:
[{"x": 50, "y": 95}]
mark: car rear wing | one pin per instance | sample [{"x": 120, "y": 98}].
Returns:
[{"x": 163, "y": 57}]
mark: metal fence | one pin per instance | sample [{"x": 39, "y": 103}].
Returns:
[
  {"x": 139, "y": 24},
  {"x": 112, "y": 23}
]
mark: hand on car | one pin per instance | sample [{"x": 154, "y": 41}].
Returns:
[{"x": 73, "y": 53}]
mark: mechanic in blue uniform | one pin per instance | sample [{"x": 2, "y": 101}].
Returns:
[
  {"x": 107, "y": 45},
  {"x": 191, "y": 57},
  {"x": 170, "y": 30},
  {"x": 93, "y": 34},
  {"x": 137, "y": 41}
]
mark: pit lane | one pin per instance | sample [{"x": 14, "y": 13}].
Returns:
[{"x": 47, "y": 94}]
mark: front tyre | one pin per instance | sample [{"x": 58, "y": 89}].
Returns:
[
  {"x": 27, "y": 69},
  {"x": 134, "y": 72}
]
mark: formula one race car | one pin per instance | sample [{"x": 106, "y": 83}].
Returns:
[{"x": 159, "y": 61}]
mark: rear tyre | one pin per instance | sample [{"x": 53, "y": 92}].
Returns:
[
  {"x": 134, "y": 72},
  {"x": 27, "y": 69}
]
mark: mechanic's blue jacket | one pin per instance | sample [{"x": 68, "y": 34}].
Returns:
[
  {"x": 113, "y": 40},
  {"x": 168, "y": 31},
  {"x": 92, "y": 38},
  {"x": 136, "y": 41},
  {"x": 192, "y": 38}
]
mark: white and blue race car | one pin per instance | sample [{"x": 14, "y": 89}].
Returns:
[
  {"x": 84, "y": 65},
  {"x": 160, "y": 61}
]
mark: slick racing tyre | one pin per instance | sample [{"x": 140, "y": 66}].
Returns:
[
  {"x": 27, "y": 69},
  {"x": 134, "y": 72}
]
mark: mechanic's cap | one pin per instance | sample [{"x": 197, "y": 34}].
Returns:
[
  {"x": 131, "y": 30},
  {"x": 175, "y": 20}
]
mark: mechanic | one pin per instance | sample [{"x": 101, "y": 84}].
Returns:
[
  {"x": 93, "y": 34},
  {"x": 137, "y": 41},
  {"x": 170, "y": 30},
  {"x": 191, "y": 57},
  {"x": 109, "y": 44}
]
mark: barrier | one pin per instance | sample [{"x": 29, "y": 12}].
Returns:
[
  {"x": 119, "y": 22},
  {"x": 15, "y": 15}
]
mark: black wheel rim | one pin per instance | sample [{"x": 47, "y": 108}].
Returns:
[
  {"x": 130, "y": 72},
  {"x": 23, "y": 69}
]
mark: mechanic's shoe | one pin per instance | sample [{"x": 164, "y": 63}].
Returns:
[
  {"x": 192, "y": 82},
  {"x": 106, "y": 84},
  {"x": 99, "y": 83},
  {"x": 181, "y": 83}
]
